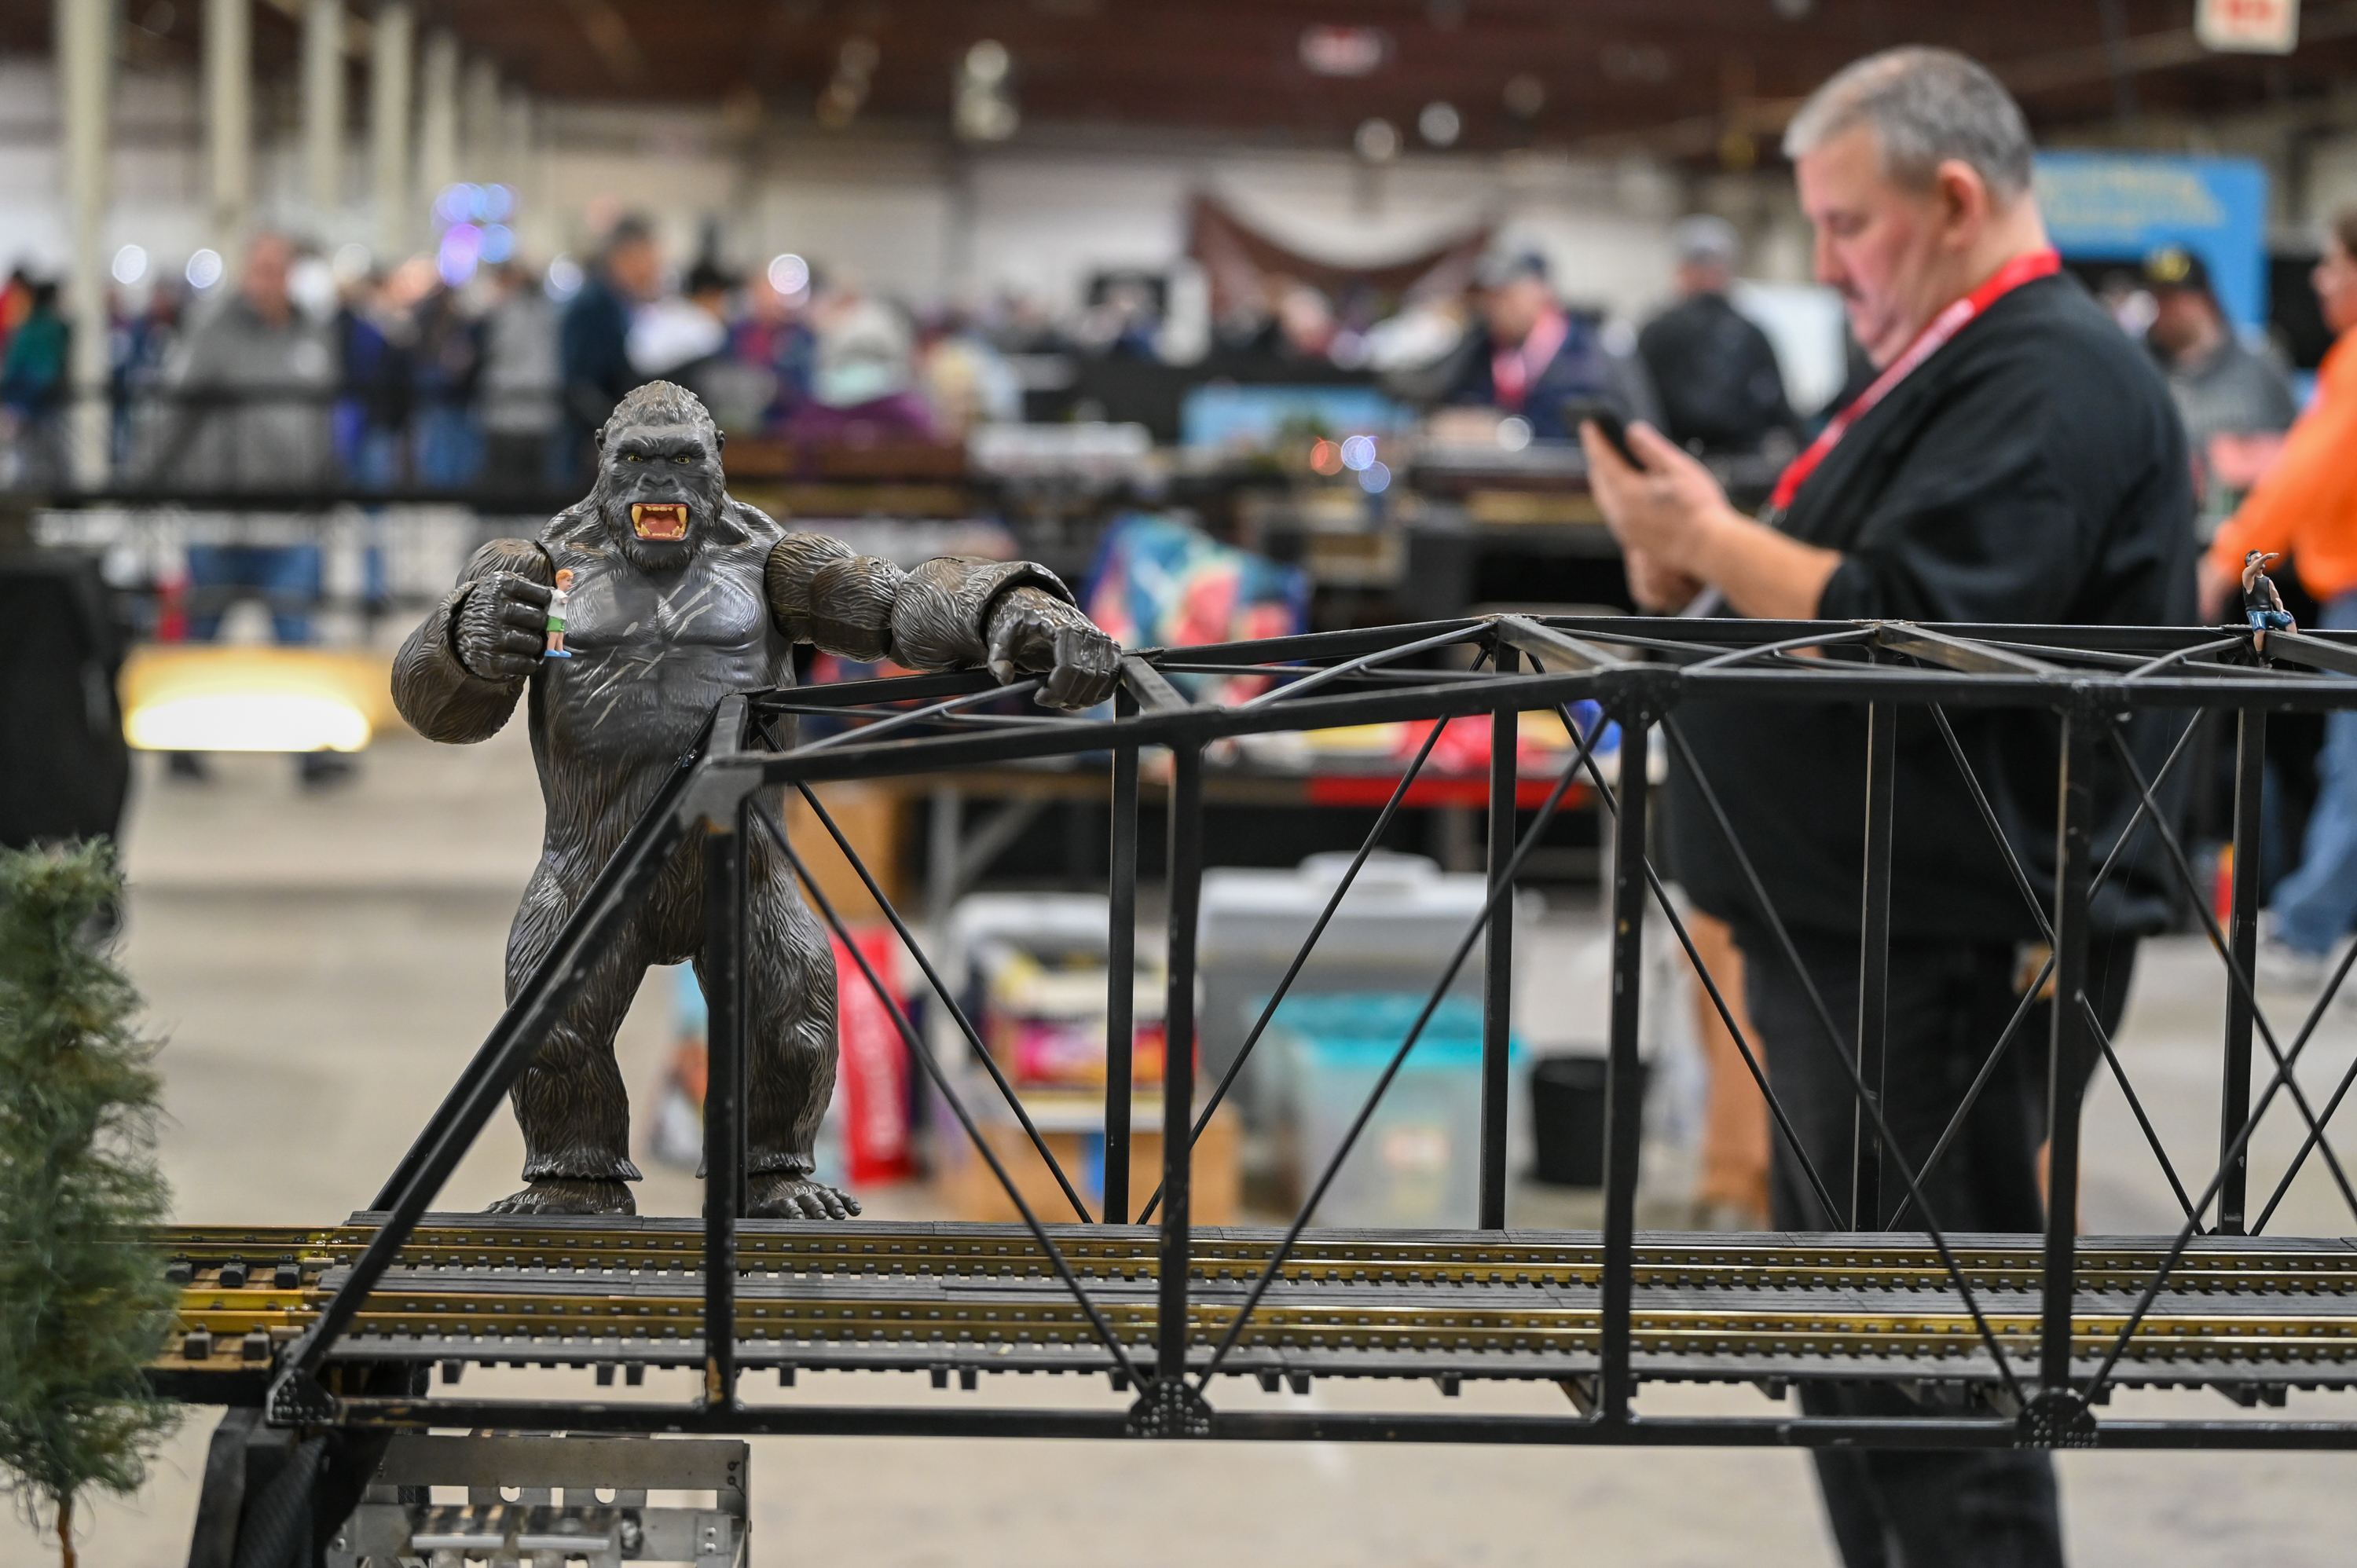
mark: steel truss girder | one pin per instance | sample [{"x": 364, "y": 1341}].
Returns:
[{"x": 1640, "y": 671}]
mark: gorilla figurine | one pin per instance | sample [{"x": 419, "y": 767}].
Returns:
[{"x": 681, "y": 595}]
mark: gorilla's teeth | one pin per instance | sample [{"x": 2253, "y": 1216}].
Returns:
[{"x": 659, "y": 520}]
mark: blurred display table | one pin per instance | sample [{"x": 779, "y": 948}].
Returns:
[{"x": 959, "y": 853}]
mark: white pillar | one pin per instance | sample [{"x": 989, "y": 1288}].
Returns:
[
  {"x": 85, "y": 53},
  {"x": 437, "y": 116},
  {"x": 228, "y": 120},
  {"x": 323, "y": 107},
  {"x": 392, "y": 42},
  {"x": 480, "y": 154},
  {"x": 515, "y": 140},
  {"x": 522, "y": 176}
]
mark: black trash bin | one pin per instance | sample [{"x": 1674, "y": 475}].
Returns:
[{"x": 1568, "y": 1101}]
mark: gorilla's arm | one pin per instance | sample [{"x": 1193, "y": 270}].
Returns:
[
  {"x": 436, "y": 690},
  {"x": 938, "y": 617}
]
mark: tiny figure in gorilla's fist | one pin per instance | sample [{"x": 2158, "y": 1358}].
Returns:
[
  {"x": 681, "y": 595},
  {"x": 559, "y": 604}
]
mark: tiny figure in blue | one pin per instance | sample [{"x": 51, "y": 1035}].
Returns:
[{"x": 2260, "y": 604}]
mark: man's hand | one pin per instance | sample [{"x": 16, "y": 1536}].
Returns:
[
  {"x": 2215, "y": 591},
  {"x": 1034, "y": 632},
  {"x": 1678, "y": 534},
  {"x": 501, "y": 627},
  {"x": 1654, "y": 587},
  {"x": 1663, "y": 512}
]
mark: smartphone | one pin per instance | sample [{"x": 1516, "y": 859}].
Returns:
[{"x": 1607, "y": 420}]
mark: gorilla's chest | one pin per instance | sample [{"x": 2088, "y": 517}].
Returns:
[
  {"x": 714, "y": 604},
  {"x": 652, "y": 654}
]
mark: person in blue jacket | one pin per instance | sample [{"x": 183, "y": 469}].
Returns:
[
  {"x": 593, "y": 341},
  {"x": 1530, "y": 356}
]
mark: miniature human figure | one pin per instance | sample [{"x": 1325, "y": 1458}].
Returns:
[
  {"x": 559, "y": 602},
  {"x": 684, "y": 595},
  {"x": 2260, "y": 603}
]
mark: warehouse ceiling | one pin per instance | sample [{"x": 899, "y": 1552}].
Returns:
[{"x": 1697, "y": 80}]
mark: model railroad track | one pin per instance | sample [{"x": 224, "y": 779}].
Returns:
[
  {"x": 1239, "y": 1252},
  {"x": 968, "y": 1298}
]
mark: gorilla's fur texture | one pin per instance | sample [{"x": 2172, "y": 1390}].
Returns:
[{"x": 661, "y": 628}]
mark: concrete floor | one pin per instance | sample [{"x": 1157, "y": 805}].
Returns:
[{"x": 323, "y": 964}]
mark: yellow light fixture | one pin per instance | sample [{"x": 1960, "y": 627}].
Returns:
[
  {"x": 208, "y": 698},
  {"x": 249, "y": 721}
]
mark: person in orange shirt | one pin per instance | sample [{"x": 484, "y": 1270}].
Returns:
[{"x": 2307, "y": 506}]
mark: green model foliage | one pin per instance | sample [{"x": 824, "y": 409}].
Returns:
[{"x": 82, "y": 1309}]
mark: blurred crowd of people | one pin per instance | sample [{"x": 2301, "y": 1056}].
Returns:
[
  {"x": 316, "y": 372},
  {"x": 310, "y": 373},
  {"x": 34, "y": 341},
  {"x": 306, "y": 375}
]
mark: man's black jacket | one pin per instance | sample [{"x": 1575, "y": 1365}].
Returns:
[
  {"x": 1716, "y": 376},
  {"x": 2033, "y": 470}
]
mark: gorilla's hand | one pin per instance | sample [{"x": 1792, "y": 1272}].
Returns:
[
  {"x": 1035, "y": 632},
  {"x": 501, "y": 629}
]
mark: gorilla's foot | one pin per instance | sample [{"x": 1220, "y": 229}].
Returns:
[
  {"x": 781, "y": 1195},
  {"x": 568, "y": 1195}
]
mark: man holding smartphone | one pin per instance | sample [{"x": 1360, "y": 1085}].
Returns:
[{"x": 2016, "y": 458}]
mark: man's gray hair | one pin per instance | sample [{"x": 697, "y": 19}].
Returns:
[{"x": 1925, "y": 107}]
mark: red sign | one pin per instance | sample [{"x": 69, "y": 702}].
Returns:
[
  {"x": 1343, "y": 51},
  {"x": 2247, "y": 27},
  {"x": 873, "y": 1070}
]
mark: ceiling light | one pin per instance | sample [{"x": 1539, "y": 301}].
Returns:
[
  {"x": 789, "y": 274},
  {"x": 986, "y": 116},
  {"x": 1378, "y": 141},
  {"x": 986, "y": 61},
  {"x": 1439, "y": 124}
]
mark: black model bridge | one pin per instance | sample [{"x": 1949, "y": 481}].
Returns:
[{"x": 2005, "y": 1339}]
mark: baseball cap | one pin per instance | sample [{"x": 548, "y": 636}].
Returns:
[
  {"x": 2174, "y": 266},
  {"x": 1501, "y": 267},
  {"x": 1704, "y": 241}
]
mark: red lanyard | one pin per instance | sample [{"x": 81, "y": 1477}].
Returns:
[
  {"x": 2022, "y": 269},
  {"x": 1511, "y": 371}
]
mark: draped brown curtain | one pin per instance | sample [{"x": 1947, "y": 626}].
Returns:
[{"x": 1247, "y": 270}]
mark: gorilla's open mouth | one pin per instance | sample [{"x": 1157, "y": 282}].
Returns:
[{"x": 659, "y": 520}]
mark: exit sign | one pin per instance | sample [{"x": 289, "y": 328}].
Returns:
[{"x": 2247, "y": 27}]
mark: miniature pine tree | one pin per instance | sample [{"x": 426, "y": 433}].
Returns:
[{"x": 84, "y": 1306}]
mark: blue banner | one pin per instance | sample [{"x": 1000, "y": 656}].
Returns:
[{"x": 2123, "y": 206}]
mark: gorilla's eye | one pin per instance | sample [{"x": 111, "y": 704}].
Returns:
[
  {"x": 632, "y": 457},
  {"x": 683, "y": 457}
]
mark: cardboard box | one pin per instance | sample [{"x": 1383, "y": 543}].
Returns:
[
  {"x": 872, "y": 819},
  {"x": 970, "y": 1192}
]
